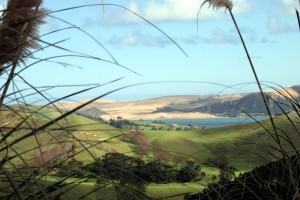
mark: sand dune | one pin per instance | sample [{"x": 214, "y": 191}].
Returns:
[{"x": 141, "y": 109}]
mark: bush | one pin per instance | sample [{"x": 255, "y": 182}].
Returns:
[{"x": 188, "y": 172}]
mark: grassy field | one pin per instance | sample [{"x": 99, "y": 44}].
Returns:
[
  {"x": 244, "y": 146},
  {"x": 239, "y": 144},
  {"x": 87, "y": 189}
]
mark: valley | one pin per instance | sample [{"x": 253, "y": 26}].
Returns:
[{"x": 242, "y": 147}]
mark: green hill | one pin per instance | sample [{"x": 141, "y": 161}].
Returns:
[
  {"x": 244, "y": 146},
  {"x": 68, "y": 136}
]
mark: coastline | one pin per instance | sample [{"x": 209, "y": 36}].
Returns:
[{"x": 157, "y": 116}]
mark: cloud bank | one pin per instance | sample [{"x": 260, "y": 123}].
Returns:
[
  {"x": 137, "y": 38},
  {"x": 290, "y": 5},
  {"x": 276, "y": 26},
  {"x": 179, "y": 10},
  {"x": 170, "y": 10}
]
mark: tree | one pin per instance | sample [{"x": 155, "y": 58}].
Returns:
[
  {"x": 188, "y": 172},
  {"x": 178, "y": 129},
  {"x": 121, "y": 167},
  {"x": 73, "y": 168},
  {"x": 94, "y": 169},
  {"x": 227, "y": 174},
  {"x": 154, "y": 128},
  {"x": 120, "y": 123},
  {"x": 157, "y": 172},
  {"x": 126, "y": 170}
]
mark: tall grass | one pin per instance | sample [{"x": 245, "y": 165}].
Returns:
[
  {"x": 277, "y": 180},
  {"x": 26, "y": 169}
]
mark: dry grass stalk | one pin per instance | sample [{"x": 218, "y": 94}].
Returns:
[
  {"x": 18, "y": 29},
  {"x": 227, "y": 4},
  {"x": 298, "y": 18}
]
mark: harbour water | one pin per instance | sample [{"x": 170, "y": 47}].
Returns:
[{"x": 210, "y": 122}]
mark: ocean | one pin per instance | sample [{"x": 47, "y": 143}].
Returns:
[{"x": 210, "y": 122}]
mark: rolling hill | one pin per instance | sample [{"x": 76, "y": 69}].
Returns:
[
  {"x": 242, "y": 145},
  {"x": 236, "y": 105},
  {"x": 189, "y": 106}
]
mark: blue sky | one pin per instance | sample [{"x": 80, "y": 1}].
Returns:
[{"x": 215, "y": 54}]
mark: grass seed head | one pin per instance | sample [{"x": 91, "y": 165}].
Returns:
[
  {"x": 216, "y": 4},
  {"x": 19, "y": 28}
]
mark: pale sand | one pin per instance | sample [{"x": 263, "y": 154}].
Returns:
[
  {"x": 175, "y": 115},
  {"x": 142, "y": 109}
]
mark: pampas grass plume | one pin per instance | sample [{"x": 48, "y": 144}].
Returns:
[
  {"x": 18, "y": 29},
  {"x": 216, "y": 4}
]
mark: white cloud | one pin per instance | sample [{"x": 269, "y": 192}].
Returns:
[
  {"x": 248, "y": 33},
  {"x": 277, "y": 27},
  {"x": 172, "y": 10},
  {"x": 267, "y": 41},
  {"x": 50, "y": 25},
  {"x": 219, "y": 36},
  {"x": 88, "y": 22},
  {"x": 242, "y": 6},
  {"x": 138, "y": 39},
  {"x": 169, "y": 10},
  {"x": 290, "y": 5}
]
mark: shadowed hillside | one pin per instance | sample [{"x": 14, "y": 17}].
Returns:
[{"x": 251, "y": 104}]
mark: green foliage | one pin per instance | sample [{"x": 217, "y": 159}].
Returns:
[
  {"x": 94, "y": 170},
  {"x": 158, "y": 122},
  {"x": 128, "y": 170},
  {"x": 121, "y": 167},
  {"x": 72, "y": 168},
  {"x": 37, "y": 141},
  {"x": 120, "y": 123},
  {"x": 188, "y": 172},
  {"x": 157, "y": 172},
  {"x": 273, "y": 181},
  {"x": 92, "y": 117}
]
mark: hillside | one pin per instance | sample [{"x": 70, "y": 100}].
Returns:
[
  {"x": 236, "y": 105},
  {"x": 189, "y": 106},
  {"x": 243, "y": 147},
  {"x": 72, "y": 135},
  {"x": 135, "y": 110},
  {"x": 76, "y": 133}
]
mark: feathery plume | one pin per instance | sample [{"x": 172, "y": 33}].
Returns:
[
  {"x": 19, "y": 25},
  {"x": 216, "y": 4},
  {"x": 18, "y": 30}
]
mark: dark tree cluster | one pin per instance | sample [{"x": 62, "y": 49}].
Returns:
[
  {"x": 226, "y": 172},
  {"x": 130, "y": 170},
  {"x": 158, "y": 122},
  {"x": 72, "y": 168},
  {"x": 127, "y": 175},
  {"x": 92, "y": 117},
  {"x": 121, "y": 123},
  {"x": 275, "y": 180}
]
